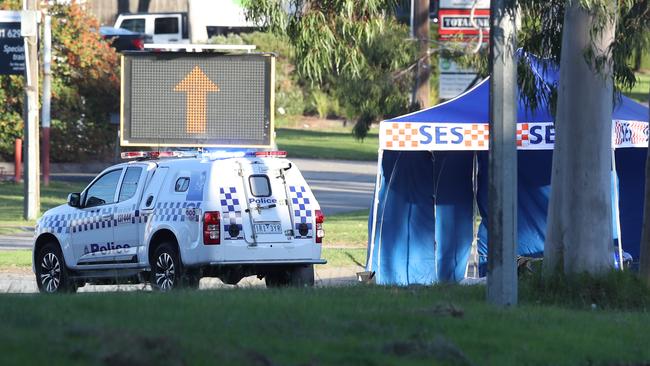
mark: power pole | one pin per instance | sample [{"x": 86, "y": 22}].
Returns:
[
  {"x": 29, "y": 31},
  {"x": 502, "y": 181},
  {"x": 47, "y": 96},
  {"x": 421, "y": 30}
]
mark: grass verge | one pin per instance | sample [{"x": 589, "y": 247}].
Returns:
[
  {"x": 11, "y": 203},
  {"x": 347, "y": 229},
  {"x": 331, "y": 144},
  {"x": 371, "y": 325}
]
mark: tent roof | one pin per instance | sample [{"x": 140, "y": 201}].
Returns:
[{"x": 473, "y": 105}]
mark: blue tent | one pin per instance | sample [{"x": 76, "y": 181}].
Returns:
[{"x": 432, "y": 169}]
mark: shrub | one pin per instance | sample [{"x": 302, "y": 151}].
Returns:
[{"x": 85, "y": 89}]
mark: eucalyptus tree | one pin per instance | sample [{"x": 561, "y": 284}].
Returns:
[
  {"x": 592, "y": 41},
  {"x": 353, "y": 49}
]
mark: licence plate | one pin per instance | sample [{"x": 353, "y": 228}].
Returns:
[{"x": 268, "y": 228}]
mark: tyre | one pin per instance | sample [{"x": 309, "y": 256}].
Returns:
[
  {"x": 296, "y": 276},
  {"x": 192, "y": 279},
  {"x": 303, "y": 276},
  {"x": 166, "y": 271},
  {"x": 51, "y": 272}
]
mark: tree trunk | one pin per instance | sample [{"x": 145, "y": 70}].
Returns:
[
  {"x": 579, "y": 233},
  {"x": 644, "y": 266}
]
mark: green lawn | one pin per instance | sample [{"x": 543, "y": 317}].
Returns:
[
  {"x": 347, "y": 229},
  {"x": 11, "y": 202},
  {"x": 327, "y": 144},
  {"x": 358, "y": 325}
]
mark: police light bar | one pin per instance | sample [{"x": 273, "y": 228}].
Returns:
[
  {"x": 270, "y": 154},
  {"x": 154, "y": 154}
]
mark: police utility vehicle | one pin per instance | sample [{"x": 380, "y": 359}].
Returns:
[{"x": 172, "y": 221}]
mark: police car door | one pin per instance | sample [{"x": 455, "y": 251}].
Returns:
[
  {"x": 266, "y": 209},
  {"x": 92, "y": 224},
  {"x": 128, "y": 217}
]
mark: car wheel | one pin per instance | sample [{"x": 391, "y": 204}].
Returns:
[
  {"x": 296, "y": 276},
  {"x": 303, "y": 276},
  {"x": 279, "y": 277},
  {"x": 166, "y": 272},
  {"x": 51, "y": 271},
  {"x": 192, "y": 279}
]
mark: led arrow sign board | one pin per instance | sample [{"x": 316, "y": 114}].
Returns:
[{"x": 197, "y": 99}]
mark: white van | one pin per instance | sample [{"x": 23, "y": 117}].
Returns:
[{"x": 161, "y": 27}]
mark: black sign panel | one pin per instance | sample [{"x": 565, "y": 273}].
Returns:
[
  {"x": 12, "y": 49},
  {"x": 197, "y": 99}
]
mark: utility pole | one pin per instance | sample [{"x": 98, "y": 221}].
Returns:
[
  {"x": 29, "y": 31},
  {"x": 502, "y": 161},
  {"x": 47, "y": 96},
  {"x": 421, "y": 30}
]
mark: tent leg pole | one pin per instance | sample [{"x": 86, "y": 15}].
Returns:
[
  {"x": 617, "y": 212},
  {"x": 375, "y": 206}
]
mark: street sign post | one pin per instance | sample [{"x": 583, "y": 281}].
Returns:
[
  {"x": 12, "y": 48},
  {"x": 197, "y": 99}
]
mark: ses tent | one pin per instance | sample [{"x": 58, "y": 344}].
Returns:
[{"x": 432, "y": 185}]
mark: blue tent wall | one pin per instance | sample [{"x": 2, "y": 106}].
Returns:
[
  {"x": 630, "y": 167},
  {"x": 533, "y": 181},
  {"x": 405, "y": 240}
]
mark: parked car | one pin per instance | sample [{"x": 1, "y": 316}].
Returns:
[
  {"x": 124, "y": 40},
  {"x": 160, "y": 27}
]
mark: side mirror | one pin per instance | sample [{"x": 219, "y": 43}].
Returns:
[{"x": 74, "y": 199}]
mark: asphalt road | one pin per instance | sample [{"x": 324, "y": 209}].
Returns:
[{"x": 339, "y": 186}]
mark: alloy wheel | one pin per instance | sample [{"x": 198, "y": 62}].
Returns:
[
  {"x": 50, "y": 272},
  {"x": 165, "y": 272}
]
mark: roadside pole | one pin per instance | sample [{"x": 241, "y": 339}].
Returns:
[
  {"x": 502, "y": 181},
  {"x": 423, "y": 73},
  {"x": 47, "y": 96},
  {"x": 29, "y": 31}
]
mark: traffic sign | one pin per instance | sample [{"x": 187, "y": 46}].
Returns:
[
  {"x": 197, "y": 99},
  {"x": 12, "y": 47}
]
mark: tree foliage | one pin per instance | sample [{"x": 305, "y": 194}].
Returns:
[
  {"x": 351, "y": 50},
  {"x": 541, "y": 35},
  {"x": 85, "y": 89}
]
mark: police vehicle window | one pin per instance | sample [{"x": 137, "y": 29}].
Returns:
[
  {"x": 165, "y": 26},
  {"x": 134, "y": 25},
  {"x": 260, "y": 185},
  {"x": 103, "y": 190},
  {"x": 130, "y": 183},
  {"x": 182, "y": 184}
]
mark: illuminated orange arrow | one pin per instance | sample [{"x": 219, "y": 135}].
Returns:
[{"x": 197, "y": 86}]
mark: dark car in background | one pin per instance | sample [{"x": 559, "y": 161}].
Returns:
[{"x": 124, "y": 40}]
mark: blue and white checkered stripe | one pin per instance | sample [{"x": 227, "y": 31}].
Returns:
[
  {"x": 302, "y": 212},
  {"x": 175, "y": 211},
  {"x": 231, "y": 212}
]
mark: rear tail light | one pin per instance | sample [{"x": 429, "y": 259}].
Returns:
[
  {"x": 320, "y": 233},
  {"x": 138, "y": 43},
  {"x": 211, "y": 228}
]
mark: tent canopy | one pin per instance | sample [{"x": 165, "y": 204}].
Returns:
[{"x": 432, "y": 168}]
